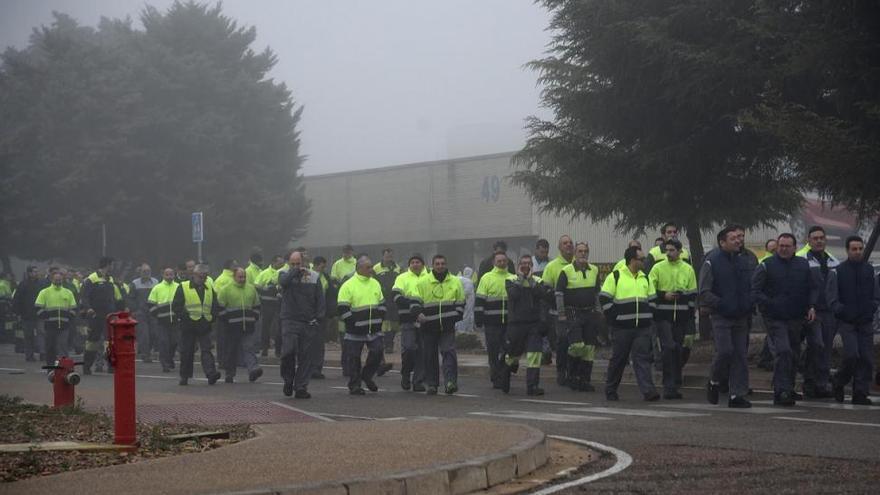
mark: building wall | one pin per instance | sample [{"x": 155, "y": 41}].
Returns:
[
  {"x": 439, "y": 201},
  {"x": 458, "y": 207}
]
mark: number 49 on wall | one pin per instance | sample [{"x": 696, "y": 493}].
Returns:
[{"x": 491, "y": 189}]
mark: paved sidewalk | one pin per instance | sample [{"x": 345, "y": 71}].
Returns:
[{"x": 443, "y": 456}]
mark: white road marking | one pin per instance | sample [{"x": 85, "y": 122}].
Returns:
[
  {"x": 635, "y": 412},
  {"x": 555, "y": 402},
  {"x": 724, "y": 409},
  {"x": 828, "y": 421},
  {"x": 439, "y": 393},
  {"x": 311, "y": 415},
  {"x": 623, "y": 461},
  {"x": 347, "y": 416},
  {"x": 346, "y": 388},
  {"x": 557, "y": 418},
  {"x": 829, "y": 405},
  {"x": 160, "y": 377},
  {"x": 12, "y": 369}
]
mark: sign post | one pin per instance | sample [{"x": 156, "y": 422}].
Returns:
[{"x": 198, "y": 231}]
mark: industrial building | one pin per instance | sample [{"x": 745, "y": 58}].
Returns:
[{"x": 457, "y": 207}]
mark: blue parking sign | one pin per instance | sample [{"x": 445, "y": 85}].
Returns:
[{"x": 198, "y": 230}]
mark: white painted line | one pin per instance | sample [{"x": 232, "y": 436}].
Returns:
[
  {"x": 198, "y": 363},
  {"x": 160, "y": 377},
  {"x": 439, "y": 393},
  {"x": 703, "y": 389},
  {"x": 830, "y": 405},
  {"x": 311, "y": 415},
  {"x": 272, "y": 383},
  {"x": 11, "y": 369},
  {"x": 347, "y": 416},
  {"x": 623, "y": 461},
  {"x": 722, "y": 408},
  {"x": 555, "y": 402},
  {"x": 380, "y": 390},
  {"x": 635, "y": 412},
  {"x": 557, "y": 418},
  {"x": 828, "y": 421}
]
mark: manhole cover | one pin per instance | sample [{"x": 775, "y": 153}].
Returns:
[{"x": 220, "y": 413}]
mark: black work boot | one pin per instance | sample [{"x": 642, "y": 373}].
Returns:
[
  {"x": 574, "y": 378},
  {"x": 533, "y": 377},
  {"x": 586, "y": 373},
  {"x": 504, "y": 377}
]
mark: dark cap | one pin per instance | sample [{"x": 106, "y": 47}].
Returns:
[{"x": 416, "y": 256}]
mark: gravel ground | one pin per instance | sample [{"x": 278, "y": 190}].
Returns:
[{"x": 23, "y": 423}]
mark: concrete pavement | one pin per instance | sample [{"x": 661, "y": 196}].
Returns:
[{"x": 449, "y": 456}]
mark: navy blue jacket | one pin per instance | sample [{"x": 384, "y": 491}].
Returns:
[
  {"x": 725, "y": 284},
  {"x": 853, "y": 293},
  {"x": 784, "y": 289}
]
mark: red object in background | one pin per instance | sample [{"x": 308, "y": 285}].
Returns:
[
  {"x": 64, "y": 381},
  {"x": 121, "y": 328}
]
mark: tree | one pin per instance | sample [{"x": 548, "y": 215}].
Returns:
[
  {"x": 649, "y": 100},
  {"x": 136, "y": 129},
  {"x": 823, "y": 99}
]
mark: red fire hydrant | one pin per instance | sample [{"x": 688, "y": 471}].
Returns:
[
  {"x": 120, "y": 352},
  {"x": 64, "y": 380}
]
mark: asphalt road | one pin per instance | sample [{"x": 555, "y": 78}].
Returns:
[{"x": 685, "y": 445}]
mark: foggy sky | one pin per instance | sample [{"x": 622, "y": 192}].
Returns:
[{"x": 382, "y": 82}]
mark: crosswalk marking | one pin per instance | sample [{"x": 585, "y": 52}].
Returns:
[
  {"x": 725, "y": 409},
  {"x": 635, "y": 412},
  {"x": 537, "y": 416}
]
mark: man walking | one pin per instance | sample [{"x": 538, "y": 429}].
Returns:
[
  {"x": 490, "y": 312},
  {"x": 23, "y": 300},
  {"x": 56, "y": 306},
  {"x": 240, "y": 310},
  {"x": 147, "y": 337},
  {"x": 725, "y": 286},
  {"x": 386, "y": 272},
  {"x": 525, "y": 293},
  {"x": 405, "y": 292},
  {"x": 628, "y": 299},
  {"x": 302, "y": 317},
  {"x": 159, "y": 302},
  {"x": 853, "y": 294},
  {"x": 554, "y": 326},
  {"x": 786, "y": 293},
  {"x": 195, "y": 304},
  {"x": 100, "y": 297},
  {"x": 675, "y": 283},
  {"x": 267, "y": 288},
  {"x": 821, "y": 330},
  {"x": 361, "y": 307},
  {"x": 576, "y": 302},
  {"x": 439, "y": 306}
]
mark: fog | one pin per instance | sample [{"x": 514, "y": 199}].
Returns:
[{"x": 382, "y": 83}]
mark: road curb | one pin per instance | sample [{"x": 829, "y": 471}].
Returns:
[{"x": 448, "y": 479}]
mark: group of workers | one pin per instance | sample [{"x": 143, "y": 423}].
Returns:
[{"x": 527, "y": 306}]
